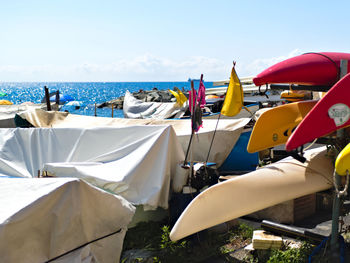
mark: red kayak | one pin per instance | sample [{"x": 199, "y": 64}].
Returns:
[
  {"x": 330, "y": 113},
  {"x": 316, "y": 69}
]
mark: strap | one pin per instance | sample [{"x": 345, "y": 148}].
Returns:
[
  {"x": 262, "y": 93},
  {"x": 331, "y": 60},
  {"x": 343, "y": 192},
  {"x": 298, "y": 155}
]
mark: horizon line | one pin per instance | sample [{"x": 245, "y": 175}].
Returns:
[{"x": 76, "y": 81}]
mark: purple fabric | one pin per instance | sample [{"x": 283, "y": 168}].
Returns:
[
  {"x": 196, "y": 103},
  {"x": 197, "y": 121},
  {"x": 201, "y": 95}
]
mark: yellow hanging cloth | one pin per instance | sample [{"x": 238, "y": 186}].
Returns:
[
  {"x": 180, "y": 97},
  {"x": 233, "y": 102},
  {"x": 183, "y": 98}
]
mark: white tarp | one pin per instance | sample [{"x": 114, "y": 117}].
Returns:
[
  {"x": 137, "y": 109},
  {"x": 136, "y": 162},
  {"x": 44, "y": 218},
  {"x": 8, "y": 112},
  {"x": 227, "y": 130}
]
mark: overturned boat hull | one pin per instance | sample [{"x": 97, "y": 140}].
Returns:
[
  {"x": 307, "y": 69},
  {"x": 265, "y": 187}
]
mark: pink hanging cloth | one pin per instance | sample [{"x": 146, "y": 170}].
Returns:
[{"x": 201, "y": 94}]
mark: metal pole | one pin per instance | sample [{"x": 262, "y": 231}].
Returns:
[
  {"x": 192, "y": 131},
  {"x": 47, "y": 97},
  {"x": 335, "y": 223},
  {"x": 57, "y": 98},
  {"x": 212, "y": 139},
  {"x": 298, "y": 87},
  {"x": 336, "y": 200}
]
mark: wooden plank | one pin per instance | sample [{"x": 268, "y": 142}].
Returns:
[{"x": 264, "y": 240}]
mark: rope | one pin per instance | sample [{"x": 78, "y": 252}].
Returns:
[
  {"x": 310, "y": 144},
  {"x": 325, "y": 176},
  {"x": 331, "y": 60},
  {"x": 343, "y": 192},
  {"x": 87, "y": 243},
  {"x": 261, "y": 93},
  {"x": 251, "y": 113},
  {"x": 188, "y": 149}
]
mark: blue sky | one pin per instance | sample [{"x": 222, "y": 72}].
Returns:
[{"x": 161, "y": 40}]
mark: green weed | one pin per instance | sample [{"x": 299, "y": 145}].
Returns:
[
  {"x": 204, "y": 246},
  {"x": 291, "y": 255}
]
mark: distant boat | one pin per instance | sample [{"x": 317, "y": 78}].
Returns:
[
  {"x": 63, "y": 98},
  {"x": 189, "y": 80}
]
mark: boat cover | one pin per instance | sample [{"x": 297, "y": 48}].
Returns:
[
  {"x": 136, "y": 162},
  {"x": 137, "y": 109},
  {"x": 227, "y": 130},
  {"x": 44, "y": 218},
  {"x": 244, "y": 113},
  {"x": 8, "y": 112}
]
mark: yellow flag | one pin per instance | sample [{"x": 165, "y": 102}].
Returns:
[
  {"x": 175, "y": 94},
  {"x": 183, "y": 98},
  {"x": 180, "y": 97},
  {"x": 233, "y": 102}
]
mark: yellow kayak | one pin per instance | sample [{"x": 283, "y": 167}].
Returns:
[
  {"x": 5, "y": 102},
  {"x": 342, "y": 163},
  {"x": 275, "y": 125},
  {"x": 292, "y": 95}
]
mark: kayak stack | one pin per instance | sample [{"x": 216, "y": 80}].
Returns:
[
  {"x": 321, "y": 120},
  {"x": 303, "y": 121}
]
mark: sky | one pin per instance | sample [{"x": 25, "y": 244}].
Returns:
[{"x": 86, "y": 40}]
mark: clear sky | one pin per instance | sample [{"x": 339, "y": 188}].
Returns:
[{"x": 85, "y": 40}]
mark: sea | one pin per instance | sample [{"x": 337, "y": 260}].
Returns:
[{"x": 88, "y": 93}]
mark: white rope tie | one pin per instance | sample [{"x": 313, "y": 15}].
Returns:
[
  {"x": 310, "y": 144},
  {"x": 343, "y": 192}
]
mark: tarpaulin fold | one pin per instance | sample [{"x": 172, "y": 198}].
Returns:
[
  {"x": 228, "y": 130},
  {"x": 136, "y": 162},
  {"x": 44, "y": 218}
]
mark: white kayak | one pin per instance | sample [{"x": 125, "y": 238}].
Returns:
[{"x": 275, "y": 183}]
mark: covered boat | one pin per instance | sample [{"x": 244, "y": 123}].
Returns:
[
  {"x": 138, "y": 163},
  {"x": 228, "y": 132},
  {"x": 134, "y": 108},
  {"x": 60, "y": 220},
  {"x": 8, "y": 113}
]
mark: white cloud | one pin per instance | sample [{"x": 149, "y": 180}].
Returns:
[
  {"x": 261, "y": 64},
  {"x": 143, "y": 68}
]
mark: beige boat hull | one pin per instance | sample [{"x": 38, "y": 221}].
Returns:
[{"x": 265, "y": 187}]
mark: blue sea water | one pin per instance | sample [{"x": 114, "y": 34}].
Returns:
[{"x": 88, "y": 93}]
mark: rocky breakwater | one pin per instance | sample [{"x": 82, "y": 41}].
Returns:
[{"x": 153, "y": 95}]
